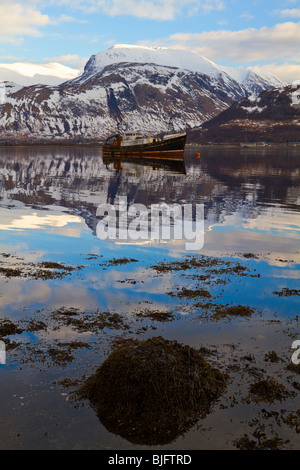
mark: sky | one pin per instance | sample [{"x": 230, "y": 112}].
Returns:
[{"x": 261, "y": 34}]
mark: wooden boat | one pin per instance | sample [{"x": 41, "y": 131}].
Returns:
[{"x": 137, "y": 145}]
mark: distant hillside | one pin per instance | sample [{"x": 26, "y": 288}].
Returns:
[{"x": 272, "y": 115}]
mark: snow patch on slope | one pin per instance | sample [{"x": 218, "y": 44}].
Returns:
[
  {"x": 295, "y": 96},
  {"x": 253, "y": 109}
]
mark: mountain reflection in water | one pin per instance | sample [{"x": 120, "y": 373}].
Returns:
[{"x": 247, "y": 194}]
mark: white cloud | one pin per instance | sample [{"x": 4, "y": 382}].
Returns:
[
  {"x": 151, "y": 9},
  {"x": 289, "y": 13},
  {"x": 30, "y": 70},
  {"x": 25, "y": 73},
  {"x": 11, "y": 58},
  {"x": 73, "y": 60},
  {"x": 63, "y": 58},
  {"x": 211, "y": 5},
  {"x": 247, "y": 16},
  {"x": 286, "y": 71},
  {"x": 18, "y": 19},
  {"x": 267, "y": 43},
  {"x": 66, "y": 19}
]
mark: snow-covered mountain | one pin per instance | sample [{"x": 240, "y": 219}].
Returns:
[
  {"x": 139, "y": 86},
  {"x": 272, "y": 115},
  {"x": 254, "y": 82},
  {"x": 181, "y": 59},
  {"x": 185, "y": 60}
]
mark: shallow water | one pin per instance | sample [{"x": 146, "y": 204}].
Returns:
[{"x": 48, "y": 204}]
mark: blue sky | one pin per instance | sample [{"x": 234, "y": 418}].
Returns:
[{"x": 263, "y": 34}]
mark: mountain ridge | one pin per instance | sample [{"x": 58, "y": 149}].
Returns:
[{"x": 272, "y": 115}]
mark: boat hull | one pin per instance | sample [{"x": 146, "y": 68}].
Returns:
[{"x": 169, "y": 149}]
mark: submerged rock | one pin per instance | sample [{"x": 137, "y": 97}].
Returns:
[{"x": 151, "y": 391}]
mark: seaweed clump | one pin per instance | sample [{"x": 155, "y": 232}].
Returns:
[
  {"x": 152, "y": 391},
  {"x": 268, "y": 390},
  {"x": 7, "y": 328}
]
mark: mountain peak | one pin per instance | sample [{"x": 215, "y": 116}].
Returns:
[
  {"x": 183, "y": 59},
  {"x": 134, "y": 46},
  {"x": 179, "y": 58}
]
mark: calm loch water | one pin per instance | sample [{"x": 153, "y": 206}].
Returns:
[{"x": 66, "y": 295}]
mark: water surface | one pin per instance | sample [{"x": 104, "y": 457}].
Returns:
[{"x": 48, "y": 203}]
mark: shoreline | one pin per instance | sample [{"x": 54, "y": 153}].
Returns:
[
  {"x": 50, "y": 144},
  {"x": 241, "y": 145}
]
